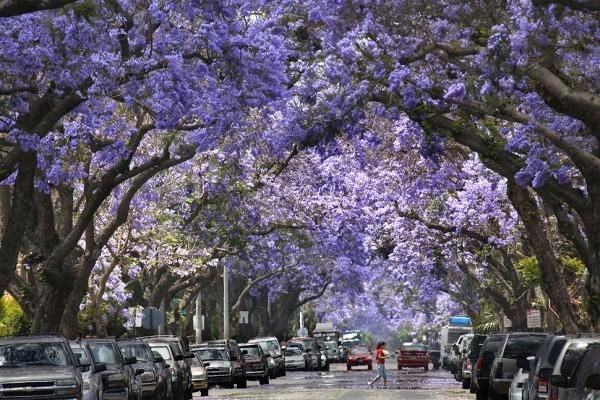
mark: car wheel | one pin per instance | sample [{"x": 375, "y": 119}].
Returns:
[
  {"x": 348, "y": 367},
  {"x": 426, "y": 368},
  {"x": 399, "y": 367},
  {"x": 370, "y": 367},
  {"x": 264, "y": 380},
  {"x": 327, "y": 367},
  {"x": 203, "y": 392},
  {"x": 466, "y": 383},
  {"x": 242, "y": 384}
]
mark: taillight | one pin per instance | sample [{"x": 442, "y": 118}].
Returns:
[
  {"x": 542, "y": 385},
  {"x": 479, "y": 363}
]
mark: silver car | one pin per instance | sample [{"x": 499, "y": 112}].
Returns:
[
  {"x": 515, "y": 392},
  {"x": 92, "y": 375},
  {"x": 295, "y": 359}
]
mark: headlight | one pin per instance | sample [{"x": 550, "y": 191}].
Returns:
[
  {"x": 148, "y": 376},
  {"x": 271, "y": 362},
  {"x": 201, "y": 374},
  {"x": 66, "y": 382}
]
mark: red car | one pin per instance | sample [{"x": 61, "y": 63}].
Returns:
[
  {"x": 411, "y": 355},
  {"x": 359, "y": 355}
]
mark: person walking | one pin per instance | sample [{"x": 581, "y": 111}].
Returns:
[{"x": 380, "y": 355}]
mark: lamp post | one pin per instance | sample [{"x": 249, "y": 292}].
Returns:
[{"x": 225, "y": 302}]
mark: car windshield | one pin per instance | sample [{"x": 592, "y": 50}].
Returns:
[
  {"x": 359, "y": 350},
  {"x": 268, "y": 345},
  {"x": 139, "y": 351},
  {"x": 294, "y": 351},
  {"x": 251, "y": 351},
  {"x": 331, "y": 345},
  {"x": 105, "y": 353},
  {"x": 522, "y": 347},
  {"x": 163, "y": 351},
  {"x": 212, "y": 354},
  {"x": 33, "y": 354}
]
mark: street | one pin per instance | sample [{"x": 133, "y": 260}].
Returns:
[{"x": 339, "y": 384}]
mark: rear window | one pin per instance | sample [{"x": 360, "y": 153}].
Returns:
[
  {"x": 555, "y": 352},
  {"x": 572, "y": 356},
  {"x": 522, "y": 346},
  {"x": 492, "y": 344}
]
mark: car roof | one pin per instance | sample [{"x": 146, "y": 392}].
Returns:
[
  {"x": 33, "y": 339},
  {"x": 257, "y": 339},
  {"x": 249, "y": 345}
]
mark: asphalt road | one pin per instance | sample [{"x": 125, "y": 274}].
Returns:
[{"x": 338, "y": 384}]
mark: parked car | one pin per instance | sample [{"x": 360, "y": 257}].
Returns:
[
  {"x": 27, "y": 361},
  {"x": 413, "y": 355},
  {"x": 536, "y": 385},
  {"x": 257, "y": 367},
  {"x": 469, "y": 359},
  {"x": 586, "y": 378},
  {"x": 515, "y": 392},
  {"x": 165, "y": 390},
  {"x": 561, "y": 380},
  {"x": 454, "y": 359},
  {"x": 272, "y": 346},
  {"x": 121, "y": 378},
  {"x": 199, "y": 377},
  {"x": 435, "y": 355},
  {"x": 91, "y": 372},
  {"x": 358, "y": 356},
  {"x": 181, "y": 372},
  {"x": 515, "y": 346},
  {"x": 237, "y": 360},
  {"x": 460, "y": 374},
  {"x": 480, "y": 378},
  {"x": 333, "y": 352},
  {"x": 312, "y": 358},
  {"x": 312, "y": 347},
  {"x": 218, "y": 365},
  {"x": 145, "y": 360},
  {"x": 296, "y": 359}
]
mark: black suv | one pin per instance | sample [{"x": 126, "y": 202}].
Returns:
[
  {"x": 236, "y": 358},
  {"x": 37, "y": 367},
  {"x": 480, "y": 378},
  {"x": 515, "y": 347}
]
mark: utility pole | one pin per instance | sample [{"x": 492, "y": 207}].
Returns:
[
  {"x": 301, "y": 317},
  {"x": 225, "y": 302},
  {"x": 199, "y": 318},
  {"x": 161, "y": 327}
]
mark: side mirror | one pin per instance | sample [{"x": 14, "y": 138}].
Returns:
[
  {"x": 206, "y": 364},
  {"x": 189, "y": 355},
  {"x": 593, "y": 382},
  {"x": 130, "y": 360},
  {"x": 179, "y": 357},
  {"x": 523, "y": 364},
  {"x": 139, "y": 371},
  {"x": 100, "y": 367},
  {"x": 167, "y": 366},
  {"x": 159, "y": 360},
  {"x": 559, "y": 380}
]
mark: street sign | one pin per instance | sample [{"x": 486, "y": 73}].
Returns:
[
  {"x": 196, "y": 322},
  {"x": 507, "y": 322},
  {"x": 534, "y": 319},
  {"x": 244, "y": 317},
  {"x": 302, "y": 332},
  {"x": 153, "y": 318}
]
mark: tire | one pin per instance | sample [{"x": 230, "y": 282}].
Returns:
[
  {"x": 273, "y": 374},
  {"x": 481, "y": 395},
  {"x": 426, "y": 368},
  {"x": 370, "y": 367},
  {"x": 283, "y": 372},
  {"x": 264, "y": 380},
  {"x": 399, "y": 367},
  {"x": 436, "y": 366},
  {"x": 188, "y": 394},
  {"x": 327, "y": 367},
  {"x": 203, "y": 392},
  {"x": 242, "y": 384},
  {"x": 466, "y": 384},
  {"x": 348, "y": 367}
]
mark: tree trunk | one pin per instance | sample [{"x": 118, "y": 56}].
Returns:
[{"x": 552, "y": 279}]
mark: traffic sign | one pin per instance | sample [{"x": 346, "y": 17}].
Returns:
[
  {"x": 302, "y": 332},
  {"x": 153, "y": 318},
  {"x": 244, "y": 317},
  {"x": 534, "y": 319}
]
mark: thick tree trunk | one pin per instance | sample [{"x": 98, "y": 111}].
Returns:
[{"x": 552, "y": 279}]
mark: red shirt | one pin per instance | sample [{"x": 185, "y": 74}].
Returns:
[{"x": 379, "y": 356}]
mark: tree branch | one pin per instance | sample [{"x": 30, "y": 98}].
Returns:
[{"x": 12, "y": 8}]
